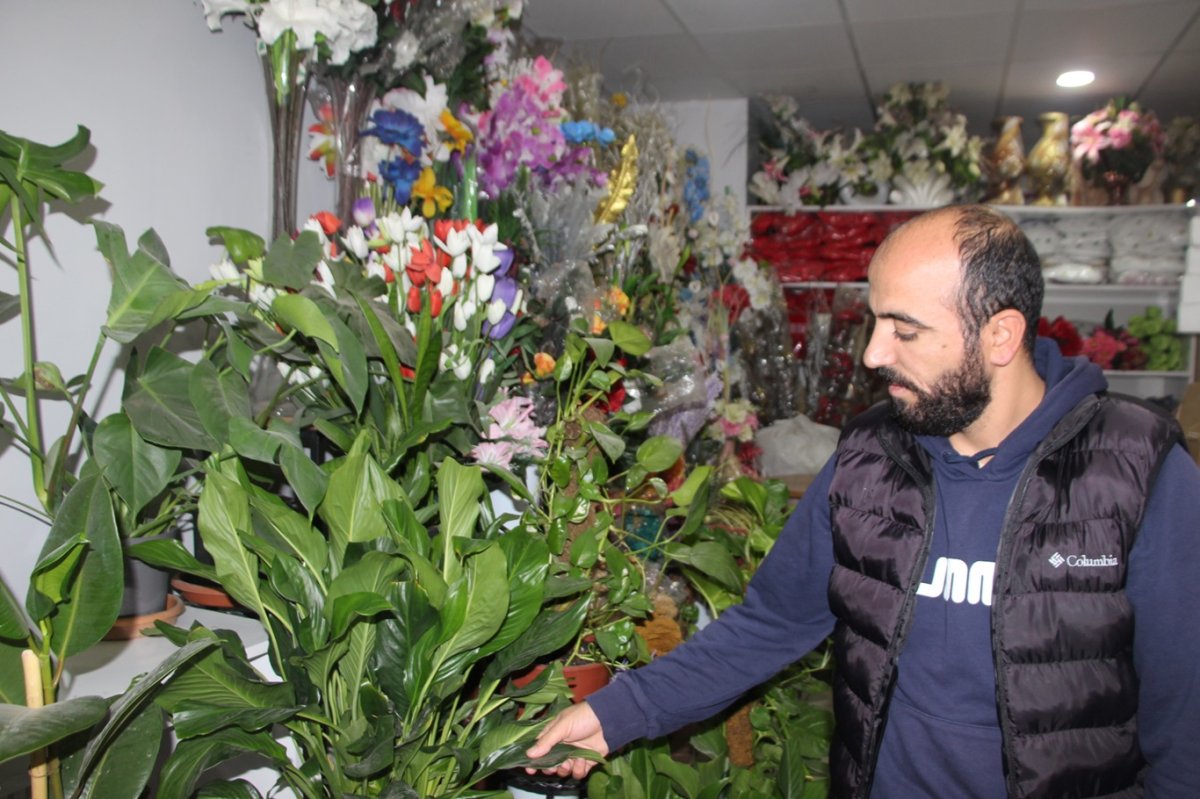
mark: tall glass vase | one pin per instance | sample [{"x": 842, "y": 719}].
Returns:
[
  {"x": 349, "y": 100},
  {"x": 286, "y": 75}
]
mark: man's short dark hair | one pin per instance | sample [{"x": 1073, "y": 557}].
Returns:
[{"x": 1001, "y": 270}]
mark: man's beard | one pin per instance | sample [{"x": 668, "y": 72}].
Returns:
[{"x": 954, "y": 402}]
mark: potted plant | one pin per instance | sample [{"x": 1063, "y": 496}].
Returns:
[{"x": 100, "y": 488}]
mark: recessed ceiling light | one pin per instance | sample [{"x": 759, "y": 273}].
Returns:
[{"x": 1075, "y": 78}]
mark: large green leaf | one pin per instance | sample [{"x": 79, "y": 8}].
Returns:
[
  {"x": 192, "y": 721},
  {"x": 219, "y": 398},
  {"x": 289, "y": 532},
  {"x": 136, "y": 469},
  {"x": 528, "y": 559},
  {"x": 302, "y": 314},
  {"x": 221, "y": 677},
  {"x": 145, "y": 291},
  {"x": 291, "y": 263},
  {"x": 159, "y": 404},
  {"x": 242, "y": 245},
  {"x": 24, "y": 730},
  {"x": 711, "y": 559},
  {"x": 12, "y": 621},
  {"x": 549, "y": 632},
  {"x": 304, "y": 476},
  {"x": 659, "y": 453},
  {"x": 251, "y": 441},
  {"x": 349, "y": 363},
  {"x": 358, "y": 487},
  {"x": 192, "y": 757},
  {"x": 169, "y": 555},
  {"x": 629, "y": 338},
  {"x": 123, "y": 767},
  {"x": 459, "y": 490},
  {"x": 224, "y": 517},
  {"x": 90, "y": 590}
]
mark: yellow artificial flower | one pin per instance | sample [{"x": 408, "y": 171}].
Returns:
[
  {"x": 543, "y": 364},
  {"x": 435, "y": 198},
  {"x": 459, "y": 132},
  {"x": 620, "y": 99},
  {"x": 598, "y": 324}
]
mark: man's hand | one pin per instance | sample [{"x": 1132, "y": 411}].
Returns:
[{"x": 575, "y": 726}]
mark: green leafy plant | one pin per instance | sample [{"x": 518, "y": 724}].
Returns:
[{"x": 99, "y": 486}]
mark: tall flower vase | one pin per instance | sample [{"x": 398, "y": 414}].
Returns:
[
  {"x": 342, "y": 103},
  {"x": 1049, "y": 161},
  {"x": 286, "y": 75}
]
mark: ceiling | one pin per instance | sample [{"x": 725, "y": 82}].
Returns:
[{"x": 998, "y": 57}]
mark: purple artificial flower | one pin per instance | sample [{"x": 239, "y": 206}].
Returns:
[
  {"x": 363, "y": 212},
  {"x": 505, "y": 291},
  {"x": 398, "y": 129}
]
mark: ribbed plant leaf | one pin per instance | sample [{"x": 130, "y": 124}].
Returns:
[
  {"x": 24, "y": 730},
  {"x": 136, "y": 469},
  {"x": 160, "y": 406}
]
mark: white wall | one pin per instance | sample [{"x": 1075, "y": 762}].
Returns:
[
  {"x": 181, "y": 138},
  {"x": 719, "y": 128}
]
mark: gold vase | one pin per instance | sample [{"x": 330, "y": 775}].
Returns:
[
  {"x": 1049, "y": 161},
  {"x": 1006, "y": 162}
]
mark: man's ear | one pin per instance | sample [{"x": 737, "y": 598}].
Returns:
[{"x": 1003, "y": 336}]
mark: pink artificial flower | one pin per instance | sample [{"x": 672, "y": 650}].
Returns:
[{"x": 494, "y": 453}]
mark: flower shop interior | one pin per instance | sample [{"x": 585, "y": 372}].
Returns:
[{"x": 432, "y": 349}]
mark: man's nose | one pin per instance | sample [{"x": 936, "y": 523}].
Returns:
[{"x": 878, "y": 352}]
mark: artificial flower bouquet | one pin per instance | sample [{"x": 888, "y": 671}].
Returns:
[
  {"x": 1120, "y": 140},
  {"x": 933, "y": 158},
  {"x": 1147, "y": 342}
]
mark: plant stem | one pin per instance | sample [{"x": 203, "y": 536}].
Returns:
[
  {"x": 76, "y": 412},
  {"x": 37, "y": 457}
]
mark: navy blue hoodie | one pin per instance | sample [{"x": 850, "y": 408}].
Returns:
[{"x": 942, "y": 738}]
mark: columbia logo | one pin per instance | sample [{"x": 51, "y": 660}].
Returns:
[{"x": 1057, "y": 560}]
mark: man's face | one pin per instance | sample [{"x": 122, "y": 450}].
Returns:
[
  {"x": 956, "y": 399},
  {"x": 936, "y": 378}
]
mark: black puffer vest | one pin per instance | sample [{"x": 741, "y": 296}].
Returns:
[{"x": 1062, "y": 638}]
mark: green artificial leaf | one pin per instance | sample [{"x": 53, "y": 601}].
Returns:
[
  {"x": 191, "y": 720},
  {"x": 347, "y": 361},
  {"x": 629, "y": 338},
  {"x": 290, "y": 264},
  {"x": 459, "y": 490},
  {"x": 686, "y": 492},
  {"x": 219, "y": 398},
  {"x": 358, "y": 487},
  {"x": 87, "y": 592},
  {"x": 659, "y": 453},
  {"x": 476, "y": 602},
  {"x": 122, "y": 769},
  {"x": 160, "y": 406},
  {"x": 242, "y": 245},
  {"x": 603, "y": 348},
  {"x": 612, "y": 444},
  {"x": 12, "y": 620},
  {"x": 549, "y": 632},
  {"x": 306, "y": 478},
  {"x": 709, "y": 558},
  {"x": 252, "y": 442},
  {"x": 302, "y": 314},
  {"x": 192, "y": 757},
  {"x": 145, "y": 291},
  {"x": 342, "y": 610},
  {"x": 24, "y": 730},
  {"x": 224, "y": 518},
  {"x": 228, "y": 789},
  {"x": 136, "y": 469},
  {"x": 289, "y": 532}
]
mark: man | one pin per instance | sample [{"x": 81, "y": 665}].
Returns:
[{"x": 1007, "y": 557}]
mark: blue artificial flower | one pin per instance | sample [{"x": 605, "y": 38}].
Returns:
[
  {"x": 399, "y": 129},
  {"x": 401, "y": 174},
  {"x": 579, "y": 132},
  {"x": 605, "y": 136}
]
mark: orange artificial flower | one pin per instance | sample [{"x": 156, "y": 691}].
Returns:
[
  {"x": 598, "y": 324},
  {"x": 543, "y": 364},
  {"x": 618, "y": 299},
  {"x": 329, "y": 223}
]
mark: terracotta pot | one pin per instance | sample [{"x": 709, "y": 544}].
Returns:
[
  {"x": 203, "y": 596},
  {"x": 583, "y": 679},
  {"x": 128, "y": 627}
]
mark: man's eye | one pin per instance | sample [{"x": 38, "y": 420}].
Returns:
[{"x": 904, "y": 336}]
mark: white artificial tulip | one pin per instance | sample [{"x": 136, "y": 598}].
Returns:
[
  {"x": 519, "y": 301},
  {"x": 460, "y": 316},
  {"x": 446, "y": 283},
  {"x": 326, "y": 276},
  {"x": 484, "y": 285},
  {"x": 224, "y": 270},
  {"x": 486, "y": 369},
  {"x": 495, "y": 311},
  {"x": 356, "y": 242},
  {"x": 462, "y": 370}
]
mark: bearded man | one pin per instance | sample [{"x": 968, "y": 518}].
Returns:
[{"x": 1005, "y": 553}]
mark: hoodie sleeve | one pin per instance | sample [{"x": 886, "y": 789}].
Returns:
[
  {"x": 784, "y": 616},
  {"x": 1164, "y": 589}
]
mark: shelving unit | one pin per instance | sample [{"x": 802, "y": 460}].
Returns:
[{"x": 1077, "y": 302}]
